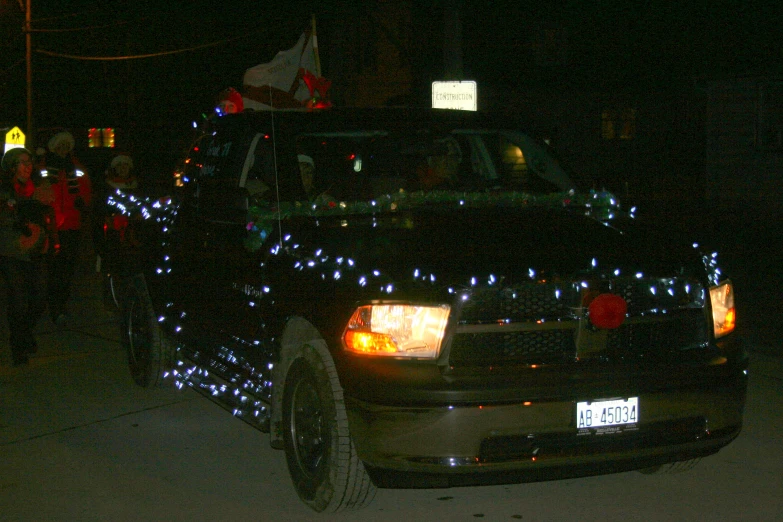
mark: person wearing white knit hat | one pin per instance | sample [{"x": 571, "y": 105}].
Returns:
[
  {"x": 61, "y": 143},
  {"x": 120, "y": 173},
  {"x": 121, "y": 159}
]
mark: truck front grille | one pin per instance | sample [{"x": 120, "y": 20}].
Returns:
[
  {"x": 533, "y": 347},
  {"x": 536, "y": 323}
]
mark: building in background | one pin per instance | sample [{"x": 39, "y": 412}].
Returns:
[{"x": 744, "y": 137}]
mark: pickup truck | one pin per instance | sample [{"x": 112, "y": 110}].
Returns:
[{"x": 425, "y": 298}]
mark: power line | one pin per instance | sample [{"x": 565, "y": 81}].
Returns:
[
  {"x": 20, "y": 61},
  {"x": 102, "y": 12},
  {"x": 83, "y": 12},
  {"x": 140, "y": 56},
  {"x": 75, "y": 29}
]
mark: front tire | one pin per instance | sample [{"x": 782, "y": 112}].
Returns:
[
  {"x": 150, "y": 355},
  {"x": 322, "y": 461}
]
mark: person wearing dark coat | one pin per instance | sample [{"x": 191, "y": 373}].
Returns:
[{"x": 23, "y": 242}]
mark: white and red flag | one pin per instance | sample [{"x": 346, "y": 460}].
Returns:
[{"x": 279, "y": 83}]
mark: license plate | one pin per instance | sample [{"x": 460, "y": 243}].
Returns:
[{"x": 613, "y": 412}]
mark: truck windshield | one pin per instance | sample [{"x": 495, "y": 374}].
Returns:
[{"x": 361, "y": 165}]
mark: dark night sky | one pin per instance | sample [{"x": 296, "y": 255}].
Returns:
[
  {"x": 654, "y": 41},
  {"x": 71, "y": 88},
  {"x": 154, "y": 98}
]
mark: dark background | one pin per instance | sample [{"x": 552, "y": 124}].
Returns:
[{"x": 563, "y": 61}]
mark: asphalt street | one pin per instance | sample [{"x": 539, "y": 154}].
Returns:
[{"x": 80, "y": 442}]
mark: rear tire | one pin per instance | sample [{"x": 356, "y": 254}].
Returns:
[
  {"x": 150, "y": 355},
  {"x": 322, "y": 461},
  {"x": 681, "y": 466}
]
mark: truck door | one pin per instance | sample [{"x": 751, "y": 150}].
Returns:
[{"x": 208, "y": 253}]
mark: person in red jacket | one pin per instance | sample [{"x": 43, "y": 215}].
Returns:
[{"x": 72, "y": 195}]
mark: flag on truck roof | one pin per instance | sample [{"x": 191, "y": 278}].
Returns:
[{"x": 279, "y": 83}]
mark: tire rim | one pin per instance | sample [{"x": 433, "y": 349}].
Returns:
[{"x": 307, "y": 428}]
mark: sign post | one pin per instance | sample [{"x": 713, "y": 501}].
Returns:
[{"x": 454, "y": 95}]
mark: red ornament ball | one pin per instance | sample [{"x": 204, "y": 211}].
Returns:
[{"x": 607, "y": 311}]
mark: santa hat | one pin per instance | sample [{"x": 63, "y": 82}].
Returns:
[
  {"x": 11, "y": 158},
  {"x": 60, "y": 138},
  {"x": 121, "y": 159},
  {"x": 233, "y": 96}
]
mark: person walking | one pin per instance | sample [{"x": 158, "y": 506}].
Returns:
[
  {"x": 119, "y": 176},
  {"x": 72, "y": 196},
  {"x": 114, "y": 239},
  {"x": 23, "y": 243}
]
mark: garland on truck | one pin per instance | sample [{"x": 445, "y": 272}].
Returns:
[{"x": 262, "y": 219}]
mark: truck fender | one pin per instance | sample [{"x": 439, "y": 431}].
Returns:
[{"x": 297, "y": 334}]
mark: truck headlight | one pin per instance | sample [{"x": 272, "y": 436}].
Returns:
[
  {"x": 397, "y": 330},
  {"x": 723, "y": 312}
]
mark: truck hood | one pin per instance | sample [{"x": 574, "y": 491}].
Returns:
[{"x": 438, "y": 247}]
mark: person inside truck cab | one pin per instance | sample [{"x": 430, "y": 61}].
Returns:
[
  {"x": 260, "y": 175},
  {"x": 307, "y": 172},
  {"x": 315, "y": 193},
  {"x": 440, "y": 169}
]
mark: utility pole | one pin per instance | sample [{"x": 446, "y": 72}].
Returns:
[
  {"x": 452, "y": 40},
  {"x": 29, "y": 59}
]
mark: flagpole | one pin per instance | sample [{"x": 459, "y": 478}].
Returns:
[{"x": 315, "y": 49}]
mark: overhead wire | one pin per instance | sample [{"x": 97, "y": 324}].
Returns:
[
  {"x": 69, "y": 15},
  {"x": 58, "y": 17},
  {"x": 134, "y": 22},
  {"x": 140, "y": 56},
  {"x": 18, "y": 62},
  {"x": 76, "y": 29},
  {"x": 102, "y": 11},
  {"x": 112, "y": 8}
]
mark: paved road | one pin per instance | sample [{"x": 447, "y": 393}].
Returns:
[{"x": 79, "y": 442}]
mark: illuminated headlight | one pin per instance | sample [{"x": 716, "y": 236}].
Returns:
[
  {"x": 397, "y": 330},
  {"x": 723, "y": 313}
]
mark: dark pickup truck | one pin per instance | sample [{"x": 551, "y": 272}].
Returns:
[{"x": 424, "y": 298}]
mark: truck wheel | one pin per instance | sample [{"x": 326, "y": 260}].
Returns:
[
  {"x": 672, "y": 467},
  {"x": 322, "y": 460},
  {"x": 150, "y": 355}
]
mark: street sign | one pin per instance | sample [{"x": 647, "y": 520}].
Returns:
[
  {"x": 454, "y": 95},
  {"x": 13, "y": 138}
]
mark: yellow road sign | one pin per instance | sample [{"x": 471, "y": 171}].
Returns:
[{"x": 14, "y": 138}]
